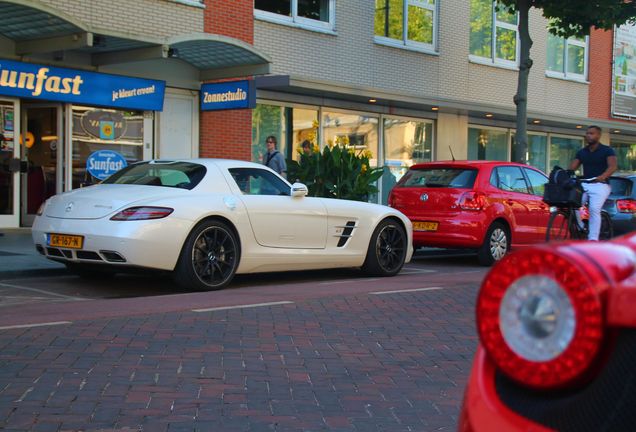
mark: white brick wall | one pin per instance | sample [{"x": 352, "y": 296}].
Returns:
[
  {"x": 352, "y": 58},
  {"x": 155, "y": 18}
]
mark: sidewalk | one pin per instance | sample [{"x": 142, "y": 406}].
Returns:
[{"x": 18, "y": 257}]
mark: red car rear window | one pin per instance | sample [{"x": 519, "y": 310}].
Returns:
[{"x": 459, "y": 178}]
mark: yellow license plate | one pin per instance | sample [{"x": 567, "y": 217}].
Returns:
[
  {"x": 66, "y": 241},
  {"x": 425, "y": 226}
]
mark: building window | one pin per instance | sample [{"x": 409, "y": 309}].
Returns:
[
  {"x": 567, "y": 58},
  {"x": 406, "y": 23},
  {"x": 563, "y": 150},
  {"x": 493, "y": 33},
  {"x": 312, "y": 14},
  {"x": 487, "y": 144}
]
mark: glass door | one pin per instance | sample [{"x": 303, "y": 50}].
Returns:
[
  {"x": 40, "y": 141},
  {"x": 9, "y": 163}
]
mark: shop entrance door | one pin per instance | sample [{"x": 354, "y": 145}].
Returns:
[
  {"x": 41, "y": 139},
  {"x": 9, "y": 163}
]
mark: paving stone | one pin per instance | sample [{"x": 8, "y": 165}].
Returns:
[{"x": 360, "y": 363}]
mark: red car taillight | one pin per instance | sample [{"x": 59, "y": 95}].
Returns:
[
  {"x": 475, "y": 201},
  {"x": 142, "y": 213},
  {"x": 540, "y": 317},
  {"x": 626, "y": 205}
]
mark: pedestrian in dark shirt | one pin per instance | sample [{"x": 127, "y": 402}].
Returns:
[
  {"x": 599, "y": 163},
  {"x": 273, "y": 158},
  {"x": 306, "y": 146}
]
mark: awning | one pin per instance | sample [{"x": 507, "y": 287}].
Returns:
[{"x": 31, "y": 29}]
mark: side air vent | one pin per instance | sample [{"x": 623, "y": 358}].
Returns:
[{"x": 346, "y": 233}]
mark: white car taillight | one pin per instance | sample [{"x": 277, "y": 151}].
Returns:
[{"x": 142, "y": 213}]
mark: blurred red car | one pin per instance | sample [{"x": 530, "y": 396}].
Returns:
[
  {"x": 557, "y": 348},
  {"x": 483, "y": 205}
]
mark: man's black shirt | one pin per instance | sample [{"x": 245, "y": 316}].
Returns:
[{"x": 594, "y": 162}]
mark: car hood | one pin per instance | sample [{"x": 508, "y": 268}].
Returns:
[{"x": 98, "y": 201}]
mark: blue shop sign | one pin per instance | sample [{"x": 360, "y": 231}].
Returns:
[
  {"x": 26, "y": 80},
  {"x": 228, "y": 95},
  {"x": 104, "y": 163}
]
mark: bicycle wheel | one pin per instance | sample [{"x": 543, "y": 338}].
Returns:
[
  {"x": 607, "y": 231},
  {"x": 559, "y": 228}
]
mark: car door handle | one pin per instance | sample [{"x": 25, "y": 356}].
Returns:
[{"x": 510, "y": 202}]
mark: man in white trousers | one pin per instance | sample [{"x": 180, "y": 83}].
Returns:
[{"x": 599, "y": 163}]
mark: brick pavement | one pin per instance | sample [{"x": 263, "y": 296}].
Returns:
[{"x": 357, "y": 363}]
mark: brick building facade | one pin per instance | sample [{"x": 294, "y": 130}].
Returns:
[{"x": 430, "y": 89}]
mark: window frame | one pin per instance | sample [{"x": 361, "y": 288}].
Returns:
[
  {"x": 493, "y": 60},
  {"x": 298, "y": 21},
  {"x": 405, "y": 42},
  {"x": 565, "y": 74}
]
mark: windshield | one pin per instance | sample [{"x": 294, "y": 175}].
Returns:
[
  {"x": 182, "y": 175},
  {"x": 460, "y": 178}
]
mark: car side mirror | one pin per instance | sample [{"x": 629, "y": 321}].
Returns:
[{"x": 299, "y": 190}]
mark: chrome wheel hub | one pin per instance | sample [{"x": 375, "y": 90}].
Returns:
[{"x": 498, "y": 244}]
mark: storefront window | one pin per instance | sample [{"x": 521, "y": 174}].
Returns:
[
  {"x": 96, "y": 129},
  {"x": 625, "y": 154},
  {"x": 267, "y": 120},
  {"x": 537, "y": 150},
  {"x": 6, "y": 154},
  {"x": 406, "y": 142},
  {"x": 487, "y": 144},
  {"x": 355, "y": 131},
  {"x": 304, "y": 128},
  {"x": 563, "y": 150}
]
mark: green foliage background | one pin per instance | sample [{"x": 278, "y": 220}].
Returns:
[{"x": 336, "y": 172}]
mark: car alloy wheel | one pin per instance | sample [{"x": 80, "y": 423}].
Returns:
[
  {"x": 498, "y": 244},
  {"x": 214, "y": 256},
  {"x": 390, "y": 248}
]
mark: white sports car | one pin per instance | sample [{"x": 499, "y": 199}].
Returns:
[{"x": 208, "y": 219}]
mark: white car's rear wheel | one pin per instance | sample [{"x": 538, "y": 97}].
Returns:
[
  {"x": 387, "y": 249},
  {"x": 209, "y": 257}
]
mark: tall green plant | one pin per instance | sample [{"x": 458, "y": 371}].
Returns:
[{"x": 336, "y": 172}]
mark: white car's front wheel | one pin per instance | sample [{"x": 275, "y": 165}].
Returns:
[
  {"x": 387, "y": 249},
  {"x": 209, "y": 257}
]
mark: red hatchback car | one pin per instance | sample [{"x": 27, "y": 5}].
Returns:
[
  {"x": 482, "y": 205},
  {"x": 557, "y": 349}
]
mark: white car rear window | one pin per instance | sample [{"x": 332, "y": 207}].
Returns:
[{"x": 182, "y": 175}]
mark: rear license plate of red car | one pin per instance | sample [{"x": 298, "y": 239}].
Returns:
[{"x": 425, "y": 226}]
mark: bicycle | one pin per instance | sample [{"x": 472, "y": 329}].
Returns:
[{"x": 563, "y": 224}]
